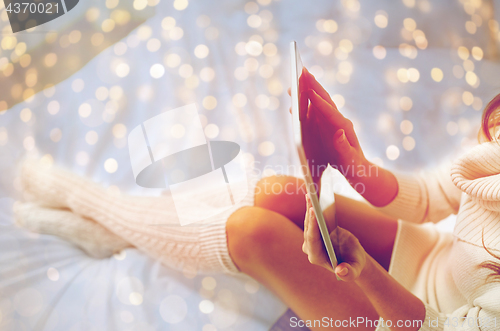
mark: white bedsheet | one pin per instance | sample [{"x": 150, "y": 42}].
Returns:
[{"x": 46, "y": 284}]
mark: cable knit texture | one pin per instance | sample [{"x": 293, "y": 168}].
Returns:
[
  {"x": 148, "y": 223},
  {"x": 442, "y": 269}
]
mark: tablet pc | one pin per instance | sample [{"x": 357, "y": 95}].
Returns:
[{"x": 300, "y": 103}]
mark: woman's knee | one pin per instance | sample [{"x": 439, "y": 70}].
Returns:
[
  {"x": 282, "y": 194},
  {"x": 250, "y": 233}
]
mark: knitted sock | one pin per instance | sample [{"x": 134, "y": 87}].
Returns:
[
  {"x": 90, "y": 236},
  {"x": 149, "y": 223}
]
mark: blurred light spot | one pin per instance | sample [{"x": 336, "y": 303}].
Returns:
[
  {"x": 53, "y": 274},
  {"x": 97, "y": 39},
  {"x": 408, "y": 143},
  {"x": 274, "y": 87},
  {"x": 140, "y": 4},
  {"x": 157, "y": 71},
  {"x": 207, "y": 74},
  {"x": 251, "y": 286},
  {"x": 325, "y": 47},
  {"x": 346, "y": 45},
  {"x": 467, "y": 98},
  {"x": 402, "y": 75},
  {"x": 55, "y": 134},
  {"x": 405, "y": 103},
  {"x": 264, "y": 2},
  {"x": 458, "y": 71},
  {"x": 251, "y": 7},
  {"x": 122, "y": 70},
  {"x": 392, "y": 152},
  {"x": 101, "y": 93},
  {"x": 420, "y": 39},
  {"x": 47, "y": 160},
  {"x": 452, "y": 128},
  {"x": 381, "y": 19},
  {"x": 463, "y": 53},
  {"x": 209, "y": 102},
  {"x": 177, "y": 131},
  {"x": 338, "y": 100},
  {"x": 209, "y": 283},
  {"x": 201, "y": 51},
  {"x": 168, "y": 23},
  {"x": 29, "y": 143},
  {"x": 126, "y": 316},
  {"x": 408, "y": 51},
  {"x": 379, "y": 52},
  {"x": 253, "y": 48},
  {"x": 91, "y": 137},
  {"x": 206, "y": 306},
  {"x": 192, "y": 82},
  {"x": 50, "y": 60},
  {"x": 477, "y": 104},
  {"x": 119, "y": 130},
  {"x": 406, "y": 127},
  {"x": 413, "y": 75},
  {"x": 173, "y": 309},
  {"x": 437, "y": 74},
  {"x": 84, "y": 110},
  {"x": 25, "y": 60},
  {"x": 262, "y": 101},
  {"x": 108, "y": 25},
  {"x": 135, "y": 298},
  {"x": 211, "y": 131},
  {"x": 153, "y": 45},
  {"x": 110, "y": 4},
  {"x": 209, "y": 327},
  {"x": 410, "y": 24},
  {"x": 77, "y": 85},
  {"x": 266, "y": 71},
  {"x": 239, "y": 100},
  {"x": 116, "y": 92},
  {"x": 25, "y": 115},
  {"x": 110, "y": 165},
  {"x": 270, "y": 49},
  {"x": 82, "y": 159},
  {"x": 477, "y": 53},
  {"x": 172, "y": 60},
  {"x": 468, "y": 65},
  {"x": 471, "y": 78},
  {"x": 180, "y": 4},
  {"x": 266, "y": 148},
  {"x": 471, "y": 27},
  {"x": 330, "y": 26},
  {"x": 254, "y": 21},
  {"x": 251, "y": 64},
  {"x": 185, "y": 70},
  {"x": 120, "y": 256}
]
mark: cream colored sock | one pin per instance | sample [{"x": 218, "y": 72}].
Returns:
[
  {"x": 90, "y": 236},
  {"x": 148, "y": 223}
]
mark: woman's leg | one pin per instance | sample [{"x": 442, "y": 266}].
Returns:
[
  {"x": 267, "y": 246},
  {"x": 265, "y": 242},
  {"x": 375, "y": 230}
]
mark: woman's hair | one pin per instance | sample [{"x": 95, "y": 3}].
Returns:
[{"x": 490, "y": 126}]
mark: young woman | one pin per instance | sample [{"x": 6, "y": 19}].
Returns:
[{"x": 434, "y": 281}]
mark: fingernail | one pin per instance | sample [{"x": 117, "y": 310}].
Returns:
[
  {"x": 343, "y": 272},
  {"x": 342, "y": 137}
]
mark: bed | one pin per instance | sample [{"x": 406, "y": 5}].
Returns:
[{"x": 412, "y": 75}]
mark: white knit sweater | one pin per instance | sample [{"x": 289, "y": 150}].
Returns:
[{"x": 443, "y": 269}]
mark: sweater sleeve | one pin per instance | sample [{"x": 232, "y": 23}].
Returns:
[
  {"x": 484, "y": 315},
  {"x": 427, "y": 197}
]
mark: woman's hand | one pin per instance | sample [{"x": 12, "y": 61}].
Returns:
[
  {"x": 351, "y": 252},
  {"x": 336, "y": 140}
]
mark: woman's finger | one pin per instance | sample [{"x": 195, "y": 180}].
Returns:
[
  {"x": 348, "y": 272},
  {"x": 316, "y": 86},
  {"x": 327, "y": 110}
]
